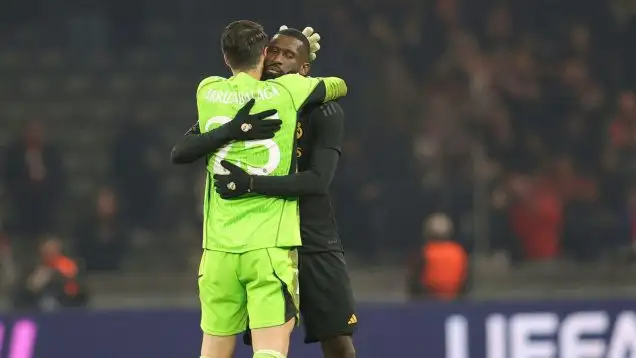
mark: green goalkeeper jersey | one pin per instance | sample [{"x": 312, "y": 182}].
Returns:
[{"x": 253, "y": 221}]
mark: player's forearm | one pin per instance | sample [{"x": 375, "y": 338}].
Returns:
[
  {"x": 334, "y": 88},
  {"x": 195, "y": 146},
  {"x": 299, "y": 184},
  {"x": 328, "y": 89},
  {"x": 316, "y": 180}
]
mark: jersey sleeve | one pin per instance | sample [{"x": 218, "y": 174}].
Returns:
[
  {"x": 328, "y": 123},
  {"x": 195, "y": 145},
  {"x": 312, "y": 90}
]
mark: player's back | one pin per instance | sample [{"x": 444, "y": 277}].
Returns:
[{"x": 252, "y": 222}]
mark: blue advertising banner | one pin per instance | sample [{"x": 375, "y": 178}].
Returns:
[{"x": 585, "y": 329}]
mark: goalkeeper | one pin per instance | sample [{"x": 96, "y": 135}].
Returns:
[{"x": 248, "y": 271}]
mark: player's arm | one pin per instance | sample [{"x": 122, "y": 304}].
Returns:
[
  {"x": 328, "y": 120},
  {"x": 328, "y": 89},
  {"x": 195, "y": 145},
  {"x": 244, "y": 126},
  {"x": 311, "y": 90},
  {"x": 329, "y": 132}
]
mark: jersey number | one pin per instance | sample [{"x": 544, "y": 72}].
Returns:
[{"x": 272, "y": 148}]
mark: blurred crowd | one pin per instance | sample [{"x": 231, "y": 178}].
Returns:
[
  {"x": 513, "y": 118},
  {"x": 516, "y": 119}
]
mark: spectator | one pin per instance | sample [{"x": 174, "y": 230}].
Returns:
[
  {"x": 55, "y": 282},
  {"x": 101, "y": 241},
  {"x": 537, "y": 217},
  {"x": 439, "y": 269},
  {"x": 34, "y": 183}
]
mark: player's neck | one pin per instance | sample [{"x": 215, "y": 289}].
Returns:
[{"x": 255, "y": 73}]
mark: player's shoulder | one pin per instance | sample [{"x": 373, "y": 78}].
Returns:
[
  {"x": 209, "y": 80},
  {"x": 329, "y": 109},
  {"x": 286, "y": 78},
  {"x": 293, "y": 79}
]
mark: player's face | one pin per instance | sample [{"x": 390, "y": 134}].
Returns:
[{"x": 285, "y": 54}]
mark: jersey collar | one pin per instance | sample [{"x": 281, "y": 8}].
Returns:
[{"x": 244, "y": 77}]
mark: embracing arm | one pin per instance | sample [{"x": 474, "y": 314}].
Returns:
[
  {"x": 195, "y": 145},
  {"x": 328, "y": 89},
  {"x": 312, "y": 90},
  {"x": 328, "y": 120},
  {"x": 244, "y": 126}
]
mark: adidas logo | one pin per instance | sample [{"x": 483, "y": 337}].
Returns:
[{"x": 353, "y": 319}]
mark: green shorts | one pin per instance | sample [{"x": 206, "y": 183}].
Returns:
[{"x": 258, "y": 287}]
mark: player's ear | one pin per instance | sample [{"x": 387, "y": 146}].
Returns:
[
  {"x": 263, "y": 57},
  {"x": 227, "y": 63},
  {"x": 304, "y": 69}
]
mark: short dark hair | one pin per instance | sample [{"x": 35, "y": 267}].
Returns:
[
  {"x": 243, "y": 42},
  {"x": 297, "y": 34}
]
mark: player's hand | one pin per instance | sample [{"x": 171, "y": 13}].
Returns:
[
  {"x": 314, "y": 41},
  {"x": 246, "y": 126},
  {"x": 236, "y": 183}
]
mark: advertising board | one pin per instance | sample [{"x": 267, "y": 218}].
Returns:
[{"x": 568, "y": 329}]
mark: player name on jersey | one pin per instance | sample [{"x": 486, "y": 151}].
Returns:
[{"x": 236, "y": 97}]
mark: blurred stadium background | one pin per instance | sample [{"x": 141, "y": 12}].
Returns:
[{"x": 514, "y": 119}]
